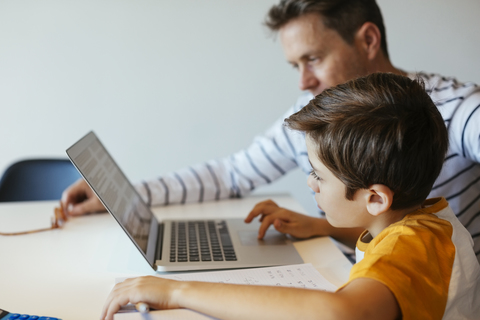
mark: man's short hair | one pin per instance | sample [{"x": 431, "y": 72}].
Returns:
[
  {"x": 343, "y": 16},
  {"x": 379, "y": 129}
]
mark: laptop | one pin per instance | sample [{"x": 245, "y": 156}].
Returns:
[{"x": 176, "y": 245}]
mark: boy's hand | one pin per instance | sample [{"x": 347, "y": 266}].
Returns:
[
  {"x": 154, "y": 291},
  {"x": 285, "y": 221}
]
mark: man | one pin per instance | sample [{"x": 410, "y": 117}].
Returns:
[{"x": 329, "y": 42}]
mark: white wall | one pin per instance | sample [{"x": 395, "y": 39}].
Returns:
[{"x": 169, "y": 83}]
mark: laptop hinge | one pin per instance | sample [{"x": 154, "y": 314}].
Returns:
[{"x": 159, "y": 241}]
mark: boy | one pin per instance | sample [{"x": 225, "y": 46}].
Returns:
[{"x": 376, "y": 145}]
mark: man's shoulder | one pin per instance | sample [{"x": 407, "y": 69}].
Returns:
[
  {"x": 302, "y": 101},
  {"x": 442, "y": 88}
]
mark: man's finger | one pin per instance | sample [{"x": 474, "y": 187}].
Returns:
[{"x": 88, "y": 206}]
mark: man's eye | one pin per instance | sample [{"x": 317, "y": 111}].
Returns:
[{"x": 314, "y": 175}]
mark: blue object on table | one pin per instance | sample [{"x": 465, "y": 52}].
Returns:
[{"x": 5, "y": 315}]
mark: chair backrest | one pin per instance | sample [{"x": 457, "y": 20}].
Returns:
[{"x": 37, "y": 179}]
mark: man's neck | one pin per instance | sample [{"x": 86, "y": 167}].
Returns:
[{"x": 383, "y": 64}]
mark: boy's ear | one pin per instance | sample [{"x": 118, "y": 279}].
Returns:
[{"x": 379, "y": 199}]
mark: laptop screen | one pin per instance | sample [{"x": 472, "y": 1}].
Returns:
[{"x": 113, "y": 189}]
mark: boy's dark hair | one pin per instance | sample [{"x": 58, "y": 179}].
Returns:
[
  {"x": 343, "y": 16},
  {"x": 379, "y": 129}
]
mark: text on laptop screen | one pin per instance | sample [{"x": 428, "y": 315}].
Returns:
[{"x": 109, "y": 182}]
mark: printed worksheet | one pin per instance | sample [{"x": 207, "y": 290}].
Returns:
[{"x": 298, "y": 276}]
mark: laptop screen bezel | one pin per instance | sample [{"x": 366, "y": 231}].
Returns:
[{"x": 153, "y": 240}]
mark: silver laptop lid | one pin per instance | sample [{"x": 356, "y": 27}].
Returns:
[{"x": 116, "y": 192}]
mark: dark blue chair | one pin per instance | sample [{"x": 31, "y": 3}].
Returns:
[{"x": 37, "y": 179}]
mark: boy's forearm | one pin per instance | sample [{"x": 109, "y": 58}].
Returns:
[
  {"x": 361, "y": 299},
  {"x": 226, "y": 301}
]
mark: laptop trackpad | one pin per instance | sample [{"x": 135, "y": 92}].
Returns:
[{"x": 272, "y": 237}]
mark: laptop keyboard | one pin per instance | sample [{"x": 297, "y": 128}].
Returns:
[{"x": 201, "y": 241}]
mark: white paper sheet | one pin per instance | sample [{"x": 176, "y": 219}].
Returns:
[{"x": 297, "y": 276}]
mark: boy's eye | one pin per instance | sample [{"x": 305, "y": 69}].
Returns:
[{"x": 314, "y": 175}]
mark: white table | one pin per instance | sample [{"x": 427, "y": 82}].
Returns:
[{"x": 68, "y": 273}]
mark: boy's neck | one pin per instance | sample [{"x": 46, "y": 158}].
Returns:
[{"x": 385, "y": 219}]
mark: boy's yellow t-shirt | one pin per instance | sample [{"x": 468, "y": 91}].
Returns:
[{"x": 427, "y": 261}]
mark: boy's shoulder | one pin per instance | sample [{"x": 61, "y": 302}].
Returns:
[
  {"x": 428, "y": 246},
  {"x": 431, "y": 230},
  {"x": 434, "y": 219}
]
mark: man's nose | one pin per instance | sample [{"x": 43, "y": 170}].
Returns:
[{"x": 308, "y": 81}]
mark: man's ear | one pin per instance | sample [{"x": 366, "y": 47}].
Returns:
[
  {"x": 379, "y": 199},
  {"x": 369, "y": 38}
]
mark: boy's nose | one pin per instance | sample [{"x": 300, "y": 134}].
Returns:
[{"x": 311, "y": 183}]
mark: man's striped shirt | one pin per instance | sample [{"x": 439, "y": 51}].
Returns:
[{"x": 279, "y": 150}]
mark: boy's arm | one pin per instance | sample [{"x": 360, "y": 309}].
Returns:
[
  {"x": 361, "y": 299},
  {"x": 299, "y": 225}
]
